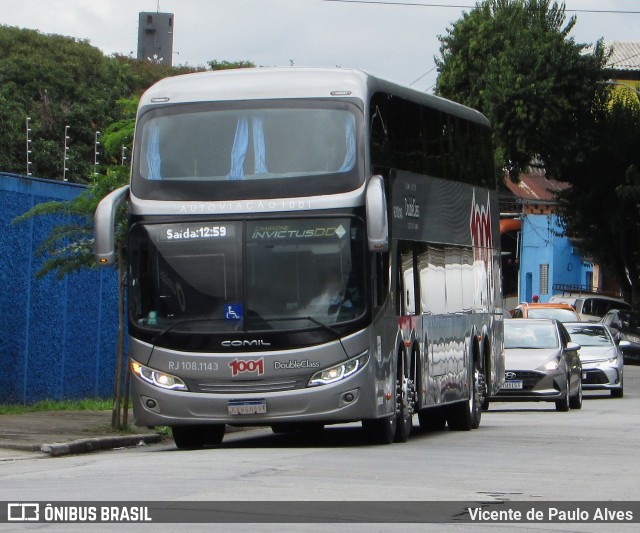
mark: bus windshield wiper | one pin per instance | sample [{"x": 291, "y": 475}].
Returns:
[
  {"x": 324, "y": 326},
  {"x": 181, "y": 322}
]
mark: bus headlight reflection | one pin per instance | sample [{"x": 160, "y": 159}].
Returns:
[
  {"x": 339, "y": 372},
  {"x": 157, "y": 378}
]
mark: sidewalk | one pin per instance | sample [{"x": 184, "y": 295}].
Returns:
[{"x": 68, "y": 432}]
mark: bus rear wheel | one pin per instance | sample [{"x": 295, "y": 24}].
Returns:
[
  {"x": 466, "y": 415},
  {"x": 405, "y": 395}
]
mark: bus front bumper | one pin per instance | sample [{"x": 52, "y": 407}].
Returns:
[{"x": 351, "y": 399}]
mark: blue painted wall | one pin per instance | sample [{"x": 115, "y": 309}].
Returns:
[
  {"x": 543, "y": 242},
  {"x": 60, "y": 336}
]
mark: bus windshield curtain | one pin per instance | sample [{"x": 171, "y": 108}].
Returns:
[
  {"x": 153, "y": 153},
  {"x": 350, "y": 136},
  {"x": 241, "y": 144}
]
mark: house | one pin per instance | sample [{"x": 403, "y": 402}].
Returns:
[{"x": 537, "y": 257}]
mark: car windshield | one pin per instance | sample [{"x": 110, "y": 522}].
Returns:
[
  {"x": 234, "y": 276},
  {"x": 630, "y": 321},
  {"x": 563, "y": 315},
  {"x": 521, "y": 334},
  {"x": 590, "y": 335}
]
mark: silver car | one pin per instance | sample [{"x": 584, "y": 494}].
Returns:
[
  {"x": 542, "y": 364},
  {"x": 602, "y": 361}
]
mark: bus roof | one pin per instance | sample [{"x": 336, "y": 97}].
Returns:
[{"x": 289, "y": 82}]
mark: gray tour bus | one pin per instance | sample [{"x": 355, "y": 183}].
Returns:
[{"x": 308, "y": 247}]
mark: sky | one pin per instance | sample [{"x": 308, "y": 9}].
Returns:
[{"x": 394, "y": 39}]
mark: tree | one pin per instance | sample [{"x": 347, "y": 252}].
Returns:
[
  {"x": 601, "y": 211},
  {"x": 514, "y": 61},
  {"x": 61, "y": 81}
]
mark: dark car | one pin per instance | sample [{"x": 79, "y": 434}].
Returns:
[
  {"x": 625, "y": 326},
  {"x": 541, "y": 364}
]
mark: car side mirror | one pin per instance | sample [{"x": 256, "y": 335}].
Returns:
[
  {"x": 573, "y": 346},
  {"x": 623, "y": 343}
]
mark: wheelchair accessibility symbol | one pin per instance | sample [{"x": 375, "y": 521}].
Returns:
[{"x": 233, "y": 312}]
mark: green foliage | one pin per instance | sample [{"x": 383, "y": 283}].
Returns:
[
  {"x": 69, "y": 246},
  {"x": 88, "y": 404},
  {"x": 60, "y": 81},
  {"x": 513, "y": 60},
  {"x": 601, "y": 211},
  {"x": 228, "y": 65}
]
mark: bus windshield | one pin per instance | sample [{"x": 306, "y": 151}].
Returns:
[
  {"x": 195, "y": 277},
  {"x": 201, "y": 143}
]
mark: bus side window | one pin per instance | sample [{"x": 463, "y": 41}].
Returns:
[
  {"x": 381, "y": 279},
  {"x": 406, "y": 279}
]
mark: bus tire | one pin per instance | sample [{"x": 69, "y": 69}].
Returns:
[
  {"x": 465, "y": 415},
  {"x": 380, "y": 430},
  {"x": 195, "y": 437},
  {"x": 405, "y": 393},
  {"x": 188, "y": 437},
  {"x": 213, "y": 434}
]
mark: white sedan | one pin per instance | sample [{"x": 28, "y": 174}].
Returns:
[{"x": 602, "y": 361}]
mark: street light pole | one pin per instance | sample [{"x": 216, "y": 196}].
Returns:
[{"x": 619, "y": 83}]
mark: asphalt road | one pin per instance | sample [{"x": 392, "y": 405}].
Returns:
[{"x": 522, "y": 452}]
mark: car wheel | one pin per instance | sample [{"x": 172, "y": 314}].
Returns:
[
  {"x": 575, "y": 402},
  {"x": 563, "y": 405}
]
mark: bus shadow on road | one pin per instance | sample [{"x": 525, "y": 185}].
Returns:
[{"x": 335, "y": 436}]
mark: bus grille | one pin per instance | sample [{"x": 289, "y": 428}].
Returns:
[{"x": 248, "y": 386}]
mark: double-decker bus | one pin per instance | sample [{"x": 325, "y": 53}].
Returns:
[{"x": 308, "y": 247}]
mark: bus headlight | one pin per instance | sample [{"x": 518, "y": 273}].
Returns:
[
  {"x": 339, "y": 372},
  {"x": 157, "y": 378}
]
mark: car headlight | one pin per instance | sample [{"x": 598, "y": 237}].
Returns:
[
  {"x": 339, "y": 372},
  {"x": 157, "y": 378},
  {"x": 550, "y": 365}
]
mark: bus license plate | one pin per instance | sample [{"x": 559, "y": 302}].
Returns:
[
  {"x": 512, "y": 385},
  {"x": 247, "y": 407}
]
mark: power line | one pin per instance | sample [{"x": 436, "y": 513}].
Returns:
[{"x": 460, "y": 6}]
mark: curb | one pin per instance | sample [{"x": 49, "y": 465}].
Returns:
[{"x": 98, "y": 443}]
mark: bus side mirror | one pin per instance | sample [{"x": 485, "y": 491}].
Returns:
[
  {"x": 377, "y": 223},
  {"x": 104, "y": 222}
]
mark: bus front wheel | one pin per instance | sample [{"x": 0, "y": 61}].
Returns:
[
  {"x": 195, "y": 437},
  {"x": 380, "y": 430}
]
